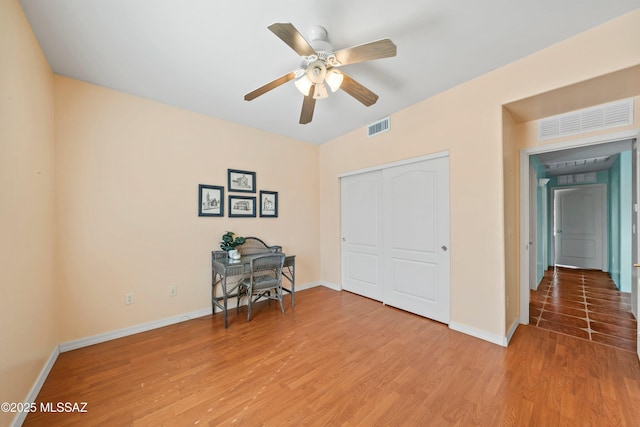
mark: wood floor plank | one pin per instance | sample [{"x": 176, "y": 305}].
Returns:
[{"x": 340, "y": 359}]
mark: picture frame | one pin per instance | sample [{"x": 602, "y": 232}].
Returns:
[
  {"x": 242, "y": 206},
  {"x": 210, "y": 200},
  {"x": 241, "y": 181},
  {"x": 268, "y": 204}
]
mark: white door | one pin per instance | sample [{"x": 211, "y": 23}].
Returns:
[
  {"x": 580, "y": 226},
  {"x": 635, "y": 278},
  {"x": 416, "y": 238},
  {"x": 533, "y": 223},
  {"x": 361, "y": 198}
]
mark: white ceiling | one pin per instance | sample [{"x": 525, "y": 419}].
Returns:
[{"x": 204, "y": 55}]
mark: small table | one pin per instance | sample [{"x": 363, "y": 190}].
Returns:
[{"x": 223, "y": 268}]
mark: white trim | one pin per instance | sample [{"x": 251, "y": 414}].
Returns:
[
  {"x": 309, "y": 286},
  {"x": 512, "y": 330},
  {"x": 524, "y": 201},
  {"x": 143, "y": 327},
  {"x": 131, "y": 330},
  {"x": 495, "y": 339},
  {"x": 330, "y": 286},
  {"x": 120, "y": 333},
  {"x": 37, "y": 385},
  {"x": 398, "y": 163}
]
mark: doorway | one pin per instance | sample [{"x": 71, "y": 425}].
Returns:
[
  {"x": 630, "y": 136},
  {"x": 580, "y": 226}
]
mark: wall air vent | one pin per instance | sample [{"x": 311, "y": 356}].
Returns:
[
  {"x": 578, "y": 178},
  {"x": 379, "y": 126},
  {"x": 605, "y": 116}
]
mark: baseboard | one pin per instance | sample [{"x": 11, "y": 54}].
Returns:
[
  {"x": 512, "y": 329},
  {"x": 304, "y": 286},
  {"x": 330, "y": 286},
  {"x": 107, "y": 336},
  {"x": 37, "y": 385},
  {"x": 495, "y": 339},
  {"x": 310, "y": 285}
]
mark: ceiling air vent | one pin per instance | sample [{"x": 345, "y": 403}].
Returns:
[
  {"x": 378, "y": 127},
  {"x": 614, "y": 114}
]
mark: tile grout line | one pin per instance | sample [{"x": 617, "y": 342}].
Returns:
[
  {"x": 586, "y": 306},
  {"x": 584, "y": 279},
  {"x": 544, "y": 302}
]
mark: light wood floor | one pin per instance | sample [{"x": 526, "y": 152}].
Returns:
[{"x": 340, "y": 359}]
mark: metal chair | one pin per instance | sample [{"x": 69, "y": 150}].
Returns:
[{"x": 265, "y": 277}]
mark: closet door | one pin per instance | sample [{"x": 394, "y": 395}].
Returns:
[
  {"x": 361, "y": 198},
  {"x": 416, "y": 238}
]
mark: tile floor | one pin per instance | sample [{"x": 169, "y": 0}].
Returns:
[{"x": 585, "y": 304}]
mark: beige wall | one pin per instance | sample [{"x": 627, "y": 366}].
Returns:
[
  {"x": 467, "y": 121},
  {"x": 128, "y": 171},
  {"x": 124, "y": 216},
  {"x": 27, "y": 299},
  {"x": 511, "y": 220}
]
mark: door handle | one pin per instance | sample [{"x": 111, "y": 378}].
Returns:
[{"x": 444, "y": 248}]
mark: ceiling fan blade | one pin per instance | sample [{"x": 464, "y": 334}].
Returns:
[
  {"x": 308, "y": 105},
  {"x": 288, "y": 34},
  {"x": 271, "y": 85},
  {"x": 358, "y": 91},
  {"x": 366, "y": 52}
]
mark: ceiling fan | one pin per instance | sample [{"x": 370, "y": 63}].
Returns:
[{"x": 320, "y": 65}]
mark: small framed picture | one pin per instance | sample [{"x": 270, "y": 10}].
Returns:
[
  {"x": 269, "y": 204},
  {"x": 242, "y": 181},
  {"x": 242, "y": 206},
  {"x": 210, "y": 200}
]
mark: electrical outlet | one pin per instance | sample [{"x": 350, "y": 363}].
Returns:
[
  {"x": 173, "y": 291},
  {"x": 128, "y": 298}
]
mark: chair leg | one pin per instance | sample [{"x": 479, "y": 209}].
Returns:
[
  {"x": 279, "y": 293},
  {"x": 249, "y": 306},
  {"x": 226, "y": 320},
  {"x": 238, "y": 298}
]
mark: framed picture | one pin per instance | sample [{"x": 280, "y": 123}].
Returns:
[
  {"x": 242, "y": 181},
  {"x": 269, "y": 203},
  {"x": 242, "y": 206},
  {"x": 210, "y": 200}
]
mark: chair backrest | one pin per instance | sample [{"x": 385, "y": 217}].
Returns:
[
  {"x": 267, "y": 265},
  {"x": 254, "y": 245}
]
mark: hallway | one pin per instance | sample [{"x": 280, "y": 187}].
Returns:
[{"x": 585, "y": 304}]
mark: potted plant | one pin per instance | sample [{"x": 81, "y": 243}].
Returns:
[{"x": 229, "y": 244}]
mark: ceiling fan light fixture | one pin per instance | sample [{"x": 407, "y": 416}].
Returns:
[
  {"x": 321, "y": 91},
  {"x": 334, "y": 79},
  {"x": 317, "y": 71},
  {"x": 303, "y": 84}
]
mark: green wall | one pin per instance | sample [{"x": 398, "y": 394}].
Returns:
[{"x": 619, "y": 211}]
